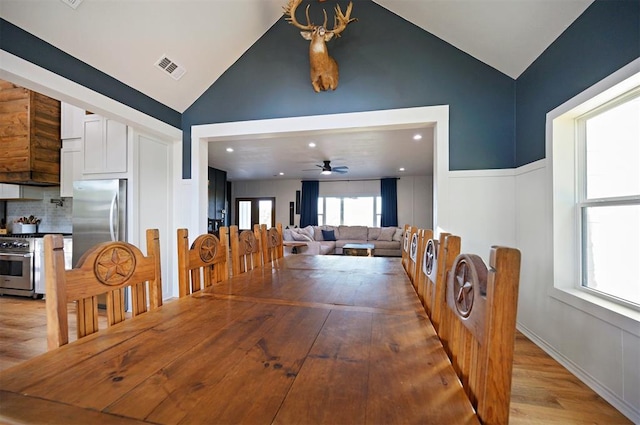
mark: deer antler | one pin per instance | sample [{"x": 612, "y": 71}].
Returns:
[
  {"x": 339, "y": 24},
  {"x": 290, "y": 15},
  {"x": 342, "y": 20}
]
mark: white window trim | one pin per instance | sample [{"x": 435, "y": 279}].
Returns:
[{"x": 560, "y": 147}]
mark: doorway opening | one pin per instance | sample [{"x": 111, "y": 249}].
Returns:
[{"x": 250, "y": 211}]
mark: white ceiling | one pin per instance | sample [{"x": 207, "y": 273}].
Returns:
[
  {"x": 369, "y": 153},
  {"x": 125, "y": 39}
]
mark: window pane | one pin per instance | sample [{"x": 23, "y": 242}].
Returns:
[
  {"x": 332, "y": 215},
  {"x": 613, "y": 151},
  {"x": 611, "y": 250},
  {"x": 358, "y": 211},
  {"x": 265, "y": 208},
  {"x": 244, "y": 215},
  {"x": 321, "y": 211}
]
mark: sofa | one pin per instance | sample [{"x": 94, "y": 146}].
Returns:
[{"x": 327, "y": 240}]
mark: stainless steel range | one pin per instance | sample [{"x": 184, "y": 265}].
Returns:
[
  {"x": 16, "y": 266},
  {"x": 22, "y": 264}
]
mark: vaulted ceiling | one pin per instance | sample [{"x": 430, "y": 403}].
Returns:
[{"x": 125, "y": 39}]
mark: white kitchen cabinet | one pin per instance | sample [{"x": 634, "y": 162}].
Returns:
[
  {"x": 71, "y": 121},
  {"x": 70, "y": 165},
  {"x": 104, "y": 147}
]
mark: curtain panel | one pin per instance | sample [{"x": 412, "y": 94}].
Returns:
[
  {"x": 309, "y": 204},
  {"x": 389, "y": 194}
]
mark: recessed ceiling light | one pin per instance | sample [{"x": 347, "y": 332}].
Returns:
[
  {"x": 312, "y": 145},
  {"x": 229, "y": 149},
  {"x": 417, "y": 136},
  {"x": 401, "y": 169},
  {"x": 281, "y": 173}
]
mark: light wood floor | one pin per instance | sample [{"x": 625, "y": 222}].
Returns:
[{"x": 543, "y": 391}]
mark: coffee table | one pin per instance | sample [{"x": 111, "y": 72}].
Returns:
[
  {"x": 294, "y": 245},
  {"x": 358, "y": 249}
]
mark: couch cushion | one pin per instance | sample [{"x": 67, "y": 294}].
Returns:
[
  {"x": 373, "y": 233},
  {"x": 317, "y": 233},
  {"x": 386, "y": 244},
  {"x": 352, "y": 233},
  {"x": 308, "y": 231},
  {"x": 398, "y": 235},
  {"x": 327, "y": 247},
  {"x": 328, "y": 235},
  {"x": 386, "y": 234}
]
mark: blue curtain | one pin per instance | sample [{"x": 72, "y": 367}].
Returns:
[
  {"x": 309, "y": 204},
  {"x": 389, "y": 194}
]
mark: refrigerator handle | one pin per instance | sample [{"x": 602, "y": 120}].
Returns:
[{"x": 113, "y": 220}]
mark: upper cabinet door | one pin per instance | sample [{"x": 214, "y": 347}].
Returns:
[
  {"x": 105, "y": 145},
  {"x": 72, "y": 121}
]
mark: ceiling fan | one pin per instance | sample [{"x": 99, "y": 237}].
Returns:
[{"x": 327, "y": 169}]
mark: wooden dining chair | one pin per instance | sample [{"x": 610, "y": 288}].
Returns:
[
  {"x": 448, "y": 250},
  {"x": 482, "y": 330},
  {"x": 428, "y": 272},
  {"x": 424, "y": 235},
  {"x": 272, "y": 247},
  {"x": 246, "y": 249},
  {"x": 108, "y": 268},
  {"x": 414, "y": 248},
  {"x": 406, "y": 237},
  {"x": 204, "y": 262}
]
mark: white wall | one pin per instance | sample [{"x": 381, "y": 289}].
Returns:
[
  {"x": 415, "y": 194},
  {"x": 415, "y": 201}
]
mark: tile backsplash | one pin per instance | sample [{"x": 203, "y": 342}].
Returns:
[{"x": 54, "y": 218}]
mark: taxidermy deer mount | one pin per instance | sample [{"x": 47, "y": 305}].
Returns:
[{"x": 324, "y": 69}]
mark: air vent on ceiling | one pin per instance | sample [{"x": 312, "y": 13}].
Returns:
[
  {"x": 170, "y": 67},
  {"x": 72, "y": 3}
]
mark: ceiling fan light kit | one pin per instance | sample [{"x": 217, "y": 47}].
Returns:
[{"x": 327, "y": 169}]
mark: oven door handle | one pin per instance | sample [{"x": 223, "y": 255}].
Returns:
[{"x": 5, "y": 254}]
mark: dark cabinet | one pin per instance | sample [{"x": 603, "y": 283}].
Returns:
[{"x": 218, "y": 207}]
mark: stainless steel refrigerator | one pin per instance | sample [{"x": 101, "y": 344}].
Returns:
[{"x": 99, "y": 213}]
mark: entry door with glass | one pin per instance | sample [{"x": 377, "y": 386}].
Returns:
[{"x": 250, "y": 211}]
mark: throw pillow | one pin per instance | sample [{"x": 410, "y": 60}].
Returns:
[
  {"x": 328, "y": 235},
  {"x": 300, "y": 237},
  {"x": 398, "y": 235},
  {"x": 308, "y": 231},
  {"x": 387, "y": 233}
]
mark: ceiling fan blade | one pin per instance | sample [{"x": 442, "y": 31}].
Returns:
[
  {"x": 341, "y": 167},
  {"x": 340, "y": 170}
]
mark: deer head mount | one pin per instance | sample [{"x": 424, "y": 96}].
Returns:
[{"x": 324, "y": 69}]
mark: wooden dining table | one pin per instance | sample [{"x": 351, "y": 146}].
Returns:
[{"x": 313, "y": 339}]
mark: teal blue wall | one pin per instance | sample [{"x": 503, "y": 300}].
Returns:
[
  {"x": 603, "y": 39},
  {"x": 385, "y": 63}
]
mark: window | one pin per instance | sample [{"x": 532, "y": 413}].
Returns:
[
  {"x": 608, "y": 198},
  {"x": 350, "y": 211}
]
